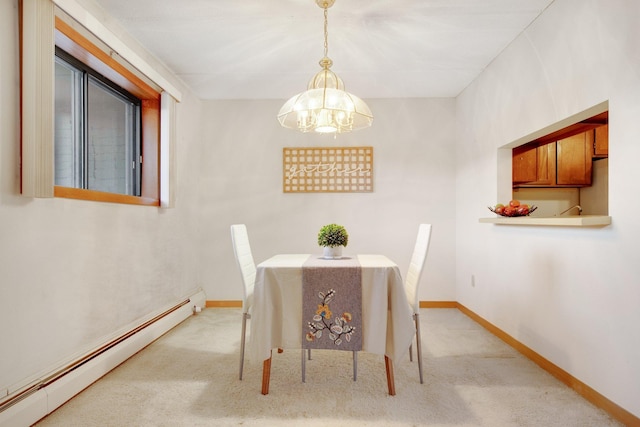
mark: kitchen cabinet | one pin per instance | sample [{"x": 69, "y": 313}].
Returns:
[
  {"x": 564, "y": 163},
  {"x": 601, "y": 143},
  {"x": 525, "y": 164},
  {"x": 574, "y": 160},
  {"x": 535, "y": 165}
]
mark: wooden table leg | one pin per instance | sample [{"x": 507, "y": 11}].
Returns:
[
  {"x": 390, "y": 380},
  {"x": 266, "y": 375}
]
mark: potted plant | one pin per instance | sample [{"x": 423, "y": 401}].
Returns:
[{"x": 332, "y": 237}]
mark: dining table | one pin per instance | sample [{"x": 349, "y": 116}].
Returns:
[{"x": 386, "y": 326}]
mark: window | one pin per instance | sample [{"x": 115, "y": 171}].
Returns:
[
  {"x": 107, "y": 139},
  {"x": 63, "y": 151},
  {"x": 96, "y": 131}
]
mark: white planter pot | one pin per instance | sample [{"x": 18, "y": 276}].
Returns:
[{"x": 332, "y": 252}]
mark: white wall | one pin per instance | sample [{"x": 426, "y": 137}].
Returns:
[
  {"x": 73, "y": 273},
  {"x": 572, "y": 295},
  {"x": 414, "y": 182}
]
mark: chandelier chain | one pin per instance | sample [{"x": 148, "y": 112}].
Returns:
[{"x": 326, "y": 32}]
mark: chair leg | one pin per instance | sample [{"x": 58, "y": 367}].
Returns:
[
  {"x": 411, "y": 352},
  {"x": 245, "y": 316},
  {"x": 355, "y": 365},
  {"x": 304, "y": 365},
  {"x": 416, "y": 316},
  {"x": 266, "y": 374},
  {"x": 391, "y": 382}
]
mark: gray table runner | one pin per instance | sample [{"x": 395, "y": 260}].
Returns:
[{"x": 332, "y": 304}]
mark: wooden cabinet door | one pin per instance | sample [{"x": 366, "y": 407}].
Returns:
[
  {"x": 601, "y": 143},
  {"x": 573, "y": 160},
  {"x": 547, "y": 164},
  {"x": 534, "y": 165},
  {"x": 524, "y": 164}
]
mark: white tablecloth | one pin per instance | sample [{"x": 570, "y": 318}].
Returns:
[{"x": 276, "y": 317}]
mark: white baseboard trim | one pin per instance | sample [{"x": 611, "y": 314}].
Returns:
[{"x": 47, "y": 399}]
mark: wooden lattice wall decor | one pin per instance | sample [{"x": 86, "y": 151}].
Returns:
[{"x": 327, "y": 169}]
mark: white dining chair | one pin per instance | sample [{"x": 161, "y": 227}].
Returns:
[
  {"x": 244, "y": 259},
  {"x": 412, "y": 282}
]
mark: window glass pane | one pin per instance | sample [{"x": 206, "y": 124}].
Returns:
[
  {"x": 68, "y": 125},
  {"x": 97, "y": 132},
  {"x": 111, "y": 140}
]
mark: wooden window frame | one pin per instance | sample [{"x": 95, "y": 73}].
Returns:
[{"x": 74, "y": 43}]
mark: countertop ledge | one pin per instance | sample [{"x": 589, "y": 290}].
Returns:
[{"x": 569, "y": 220}]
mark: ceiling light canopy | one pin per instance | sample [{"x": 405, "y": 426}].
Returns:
[{"x": 325, "y": 107}]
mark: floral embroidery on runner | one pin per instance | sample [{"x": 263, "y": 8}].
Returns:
[
  {"x": 331, "y": 304},
  {"x": 324, "y": 321}
]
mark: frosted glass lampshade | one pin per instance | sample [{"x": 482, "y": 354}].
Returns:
[{"x": 325, "y": 107}]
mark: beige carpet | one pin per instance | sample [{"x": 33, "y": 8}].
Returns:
[{"x": 189, "y": 378}]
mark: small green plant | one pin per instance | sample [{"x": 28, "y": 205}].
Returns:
[{"x": 333, "y": 235}]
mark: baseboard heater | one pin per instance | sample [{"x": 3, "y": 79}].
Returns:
[{"x": 41, "y": 398}]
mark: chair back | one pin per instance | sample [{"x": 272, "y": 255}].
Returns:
[
  {"x": 412, "y": 279},
  {"x": 244, "y": 259}
]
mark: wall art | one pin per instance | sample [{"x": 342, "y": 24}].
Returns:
[{"x": 327, "y": 169}]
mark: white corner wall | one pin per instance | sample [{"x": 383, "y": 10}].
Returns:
[
  {"x": 76, "y": 273},
  {"x": 571, "y": 295}
]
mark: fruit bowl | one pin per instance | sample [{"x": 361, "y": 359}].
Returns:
[{"x": 512, "y": 209}]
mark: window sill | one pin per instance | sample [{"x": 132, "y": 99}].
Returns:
[
  {"x": 567, "y": 221},
  {"x": 99, "y": 196}
]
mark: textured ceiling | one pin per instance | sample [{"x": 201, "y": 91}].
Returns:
[{"x": 269, "y": 49}]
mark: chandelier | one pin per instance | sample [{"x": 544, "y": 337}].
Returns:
[{"x": 325, "y": 107}]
